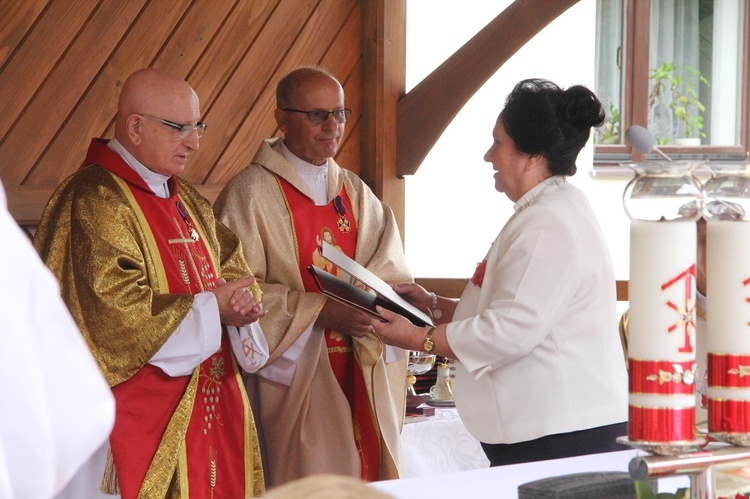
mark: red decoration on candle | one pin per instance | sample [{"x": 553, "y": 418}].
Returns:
[
  {"x": 728, "y": 371},
  {"x": 661, "y": 424},
  {"x": 728, "y": 416},
  {"x": 661, "y": 377}
]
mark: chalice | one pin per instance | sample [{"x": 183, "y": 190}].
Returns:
[{"x": 419, "y": 363}]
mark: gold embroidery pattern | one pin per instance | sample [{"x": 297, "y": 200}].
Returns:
[
  {"x": 340, "y": 350},
  {"x": 679, "y": 376},
  {"x": 211, "y": 390},
  {"x": 182, "y": 264},
  {"x": 212, "y": 457},
  {"x": 360, "y": 452},
  {"x": 206, "y": 272},
  {"x": 183, "y": 272},
  {"x": 190, "y": 255}
]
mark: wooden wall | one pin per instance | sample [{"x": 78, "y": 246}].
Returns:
[{"x": 62, "y": 63}]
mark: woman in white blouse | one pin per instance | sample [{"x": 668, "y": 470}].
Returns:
[{"x": 538, "y": 361}]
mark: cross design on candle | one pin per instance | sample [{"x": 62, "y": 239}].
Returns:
[{"x": 687, "y": 313}]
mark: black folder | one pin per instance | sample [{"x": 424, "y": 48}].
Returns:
[{"x": 354, "y": 296}]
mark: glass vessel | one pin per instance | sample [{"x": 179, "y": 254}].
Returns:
[
  {"x": 663, "y": 190},
  {"x": 419, "y": 363},
  {"x": 727, "y": 192}
]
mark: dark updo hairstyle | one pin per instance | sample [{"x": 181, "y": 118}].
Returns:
[{"x": 543, "y": 119}]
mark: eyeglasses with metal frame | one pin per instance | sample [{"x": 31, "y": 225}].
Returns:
[
  {"x": 184, "y": 130},
  {"x": 318, "y": 116}
]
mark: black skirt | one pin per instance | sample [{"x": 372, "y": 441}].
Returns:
[{"x": 560, "y": 445}]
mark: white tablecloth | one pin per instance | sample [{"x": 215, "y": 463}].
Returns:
[
  {"x": 503, "y": 481},
  {"x": 440, "y": 444}
]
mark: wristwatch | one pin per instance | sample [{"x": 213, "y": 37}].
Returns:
[{"x": 428, "y": 345}]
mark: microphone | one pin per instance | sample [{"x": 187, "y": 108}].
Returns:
[{"x": 644, "y": 141}]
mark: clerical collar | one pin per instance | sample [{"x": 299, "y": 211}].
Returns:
[
  {"x": 155, "y": 181},
  {"x": 315, "y": 177},
  {"x": 536, "y": 191}
]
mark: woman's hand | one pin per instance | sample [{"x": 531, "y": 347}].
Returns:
[
  {"x": 440, "y": 308},
  {"x": 415, "y": 294},
  {"x": 398, "y": 331}
]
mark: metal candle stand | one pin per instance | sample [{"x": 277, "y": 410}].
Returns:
[{"x": 699, "y": 466}]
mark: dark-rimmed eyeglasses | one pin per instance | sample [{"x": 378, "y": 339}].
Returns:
[
  {"x": 318, "y": 117},
  {"x": 184, "y": 130}
]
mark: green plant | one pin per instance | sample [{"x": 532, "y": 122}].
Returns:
[
  {"x": 679, "y": 85},
  {"x": 609, "y": 132},
  {"x": 643, "y": 490}
]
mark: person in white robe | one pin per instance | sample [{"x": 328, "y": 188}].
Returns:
[{"x": 55, "y": 407}]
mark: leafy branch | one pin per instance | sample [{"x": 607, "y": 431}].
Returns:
[{"x": 680, "y": 84}]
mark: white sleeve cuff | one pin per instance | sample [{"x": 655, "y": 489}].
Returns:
[
  {"x": 282, "y": 369},
  {"x": 195, "y": 339},
  {"x": 249, "y": 346}
]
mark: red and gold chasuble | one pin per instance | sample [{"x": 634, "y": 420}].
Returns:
[
  {"x": 312, "y": 225},
  {"x": 152, "y": 440}
]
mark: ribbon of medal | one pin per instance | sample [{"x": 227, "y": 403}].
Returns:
[{"x": 188, "y": 221}]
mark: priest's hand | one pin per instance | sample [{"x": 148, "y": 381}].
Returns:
[
  {"x": 344, "y": 319},
  {"x": 237, "y": 305}
]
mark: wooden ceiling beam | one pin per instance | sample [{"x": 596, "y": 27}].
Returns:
[{"x": 425, "y": 112}]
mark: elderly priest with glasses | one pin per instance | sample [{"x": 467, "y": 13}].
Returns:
[
  {"x": 165, "y": 301},
  {"x": 332, "y": 397}
]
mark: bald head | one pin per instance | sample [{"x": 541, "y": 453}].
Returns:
[
  {"x": 295, "y": 83},
  {"x": 147, "y": 97},
  {"x": 152, "y": 91}
]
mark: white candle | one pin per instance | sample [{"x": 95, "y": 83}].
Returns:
[
  {"x": 661, "y": 319},
  {"x": 728, "y": 324},
  {"x": 661, "y": 331},
  {"x": 727, "y": 274}
]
